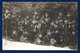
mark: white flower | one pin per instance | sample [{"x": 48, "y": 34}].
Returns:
[
  {"x": 58, "y": 17},
  {"x": 69, "y": 26},
  {"x": 54, "y": 6},
  {"x": 13, "y": 16},
  {"x": 55, "y": 25},
  {"x": 56, "y": 21},
  {"x": 56, "y": 31},
  {"x": 73, "y": 25},
  {"x": 68, "y": 15},
  {"x": 34, "y": 30},
  {"x": 35, "y": 26},
  {"x": 73, "y": 32},
  {"x": 52, "y": 31},
  {"x": 38, "y": 41},
  {"x": 73, "y": 21},
  {"x": 19, "y": 16},
  {"x": 60, "y": 20},
  {"x": 48, "y": 33},
  {"x": 46, "y": 19},
  {"x": 34, "y": 21},
  {"x": 25, "y": 32},
  {"x": 22, "y": 38},
  {"x": 61, "y": 40},
  {"x": 20, "y": 28},
  {"x": 35, "y": 13},
  {"x": 46, "y": 14},
  {"x": 52, "y": 23},
  {"x": 66, "y": 21},
  {"x": 40, "y": 35},
  {"x": 60, "y": 14},
  {"x": 69, "y": 22},
  {"x": 14, "y": 32},
  {"x": 42, "y": 21},
  {"x": 37, "y": 17},
  {"x": 62, "y": 26},
  {"x": 22, "y": 21},
  {"x": 39, "y": 25},
  {"x": 25, "y": 23},
  {"x": 27, "y": 17},
  {"x": 52, "y": 41}
]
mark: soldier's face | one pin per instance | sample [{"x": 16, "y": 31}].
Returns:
[{"x": 7, "y": 11}]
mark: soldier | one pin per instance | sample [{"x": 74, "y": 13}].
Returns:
[{"x": 8, "y": 24}]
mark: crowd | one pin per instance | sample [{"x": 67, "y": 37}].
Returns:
[{"x": 57, "y": 26}]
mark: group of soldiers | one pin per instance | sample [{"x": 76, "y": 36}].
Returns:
[{"x": 55, "y": 27}]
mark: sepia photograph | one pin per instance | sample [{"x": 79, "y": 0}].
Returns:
[{"x": 39, "y": 26}]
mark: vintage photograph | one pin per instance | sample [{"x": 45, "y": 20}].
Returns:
[{"x": 40, "y": 26}]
